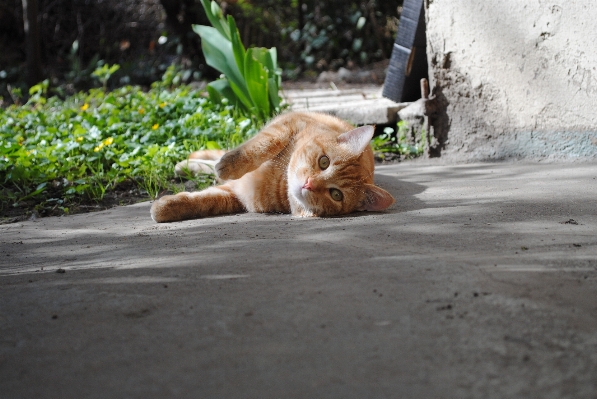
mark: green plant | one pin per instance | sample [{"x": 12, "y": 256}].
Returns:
[
  {"x": 16, "y": 94},
  {"x": 152, "y": 182},
  {"x": 404, "y": 142},
  {"x": 80, "y": 73},
  {"x": 252, "y": 77},
  {"x": 173, "y": 76},
  {"x": 104, "y": 72},
  {"x": 39, "y": 92}
]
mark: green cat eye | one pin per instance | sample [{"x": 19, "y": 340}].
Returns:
[
  {"x": 324, "y": 162},
  {"x": 336, "y": 194}
]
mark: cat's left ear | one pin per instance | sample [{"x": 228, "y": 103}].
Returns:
[
  {"x": 356, "y": 140},
  {"x": 377, "y": 199}
]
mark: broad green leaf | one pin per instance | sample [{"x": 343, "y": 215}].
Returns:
[
  {"x": 276, "y": 71},
  {"x": 219, "y": 89},
  {"x": 274, "y": 78},
  {"x": 237, "y": 45},
  {"x": 219, "y": 55},
  {"x": 257, "y": 81},
  {"x": 216, "y": 18},
  {"x": 261, "y": 55},
  {"x": 274, "y": 97},
  {"x": 214, "y": 93},
  {"x": 271, "y": 62},
  {"x": 242, "y": 93},
  {"x": 268, "y": 59}
]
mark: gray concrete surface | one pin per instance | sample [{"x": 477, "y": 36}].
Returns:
[
  {"x": 518, "y": 77},
  {"x": 472, "y": 286}
]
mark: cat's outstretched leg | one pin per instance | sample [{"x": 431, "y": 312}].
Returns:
[
  {"x": 212, "y": 201},
  {"x": 265, "y": 145}
]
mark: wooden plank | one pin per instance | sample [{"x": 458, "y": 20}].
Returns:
[{"x": 403, "y": 47}]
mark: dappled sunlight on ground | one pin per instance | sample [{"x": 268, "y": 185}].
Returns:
[{"x": 477, "y": 275}]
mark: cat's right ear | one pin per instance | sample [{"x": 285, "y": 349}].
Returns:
[{"x": 357, "y": 139}]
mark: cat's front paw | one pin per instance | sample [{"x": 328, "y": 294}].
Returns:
[
  {"x": 228, "y": 167},
  {"x": 171, "y": 208},
  {"x": 159, "y": 210}
]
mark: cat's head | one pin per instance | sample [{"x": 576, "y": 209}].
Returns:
[{"x": 333, "y": 175}]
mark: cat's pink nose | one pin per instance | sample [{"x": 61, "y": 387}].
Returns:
[{"x": 308, "y": 184}]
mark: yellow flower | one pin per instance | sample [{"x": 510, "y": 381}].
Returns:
[
  {"x": 79, "y": 139},
  {"x": 99, "y": 147},
  {"x": 162, "y": 105},
  {"x": 108, "y": 141},
  {"x": 142, "y": 111},
  {"x": 154, "y": 127},
  {"x": 84, "y": 107}
]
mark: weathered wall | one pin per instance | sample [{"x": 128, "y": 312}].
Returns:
[{"x": 520, "y": 77}]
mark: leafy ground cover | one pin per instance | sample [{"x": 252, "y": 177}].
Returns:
[
  {"x": 404, "y": 142},
  {"x": 98, "y": 148}
]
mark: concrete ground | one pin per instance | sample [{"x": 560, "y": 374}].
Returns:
[{"x": 480, "y": 282}]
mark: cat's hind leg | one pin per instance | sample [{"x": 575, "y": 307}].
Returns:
[
  {"x": 202, "y": 161},
  {"x": 218, "y": 200},
  {"x": 208, "y": 155}
]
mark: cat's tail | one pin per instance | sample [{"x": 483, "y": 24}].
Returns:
[{"x": 202, "y": 161}]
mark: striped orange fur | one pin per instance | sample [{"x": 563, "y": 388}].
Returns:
[{"x": 303, "y": 163}]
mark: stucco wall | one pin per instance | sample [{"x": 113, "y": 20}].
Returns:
[{"x": 519, "y": 77}]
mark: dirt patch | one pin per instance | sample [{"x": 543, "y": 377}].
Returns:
[{"x": 125, "y": 193}]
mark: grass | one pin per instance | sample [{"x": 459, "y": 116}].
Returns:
[{"x": 55, "y": 154}]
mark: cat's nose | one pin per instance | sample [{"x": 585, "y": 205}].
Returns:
[{"x": 308, "y": 184}]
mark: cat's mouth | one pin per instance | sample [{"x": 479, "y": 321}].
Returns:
[
  {"x": 304, "y": 195},
  {"x": 299, "y": 191},
  {"x": 301, "y": 194}
]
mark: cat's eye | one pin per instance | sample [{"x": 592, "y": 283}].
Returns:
[
  {"x": 336, "y": 194},
  {"x": 324, "y": 162}
]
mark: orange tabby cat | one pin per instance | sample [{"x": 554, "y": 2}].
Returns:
[{"x": 303, "y": 163}]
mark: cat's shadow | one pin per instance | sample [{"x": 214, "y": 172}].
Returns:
[{"x": 404, "y": 193}]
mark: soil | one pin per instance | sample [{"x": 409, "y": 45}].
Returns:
[{"x": 125, "y": 193}]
